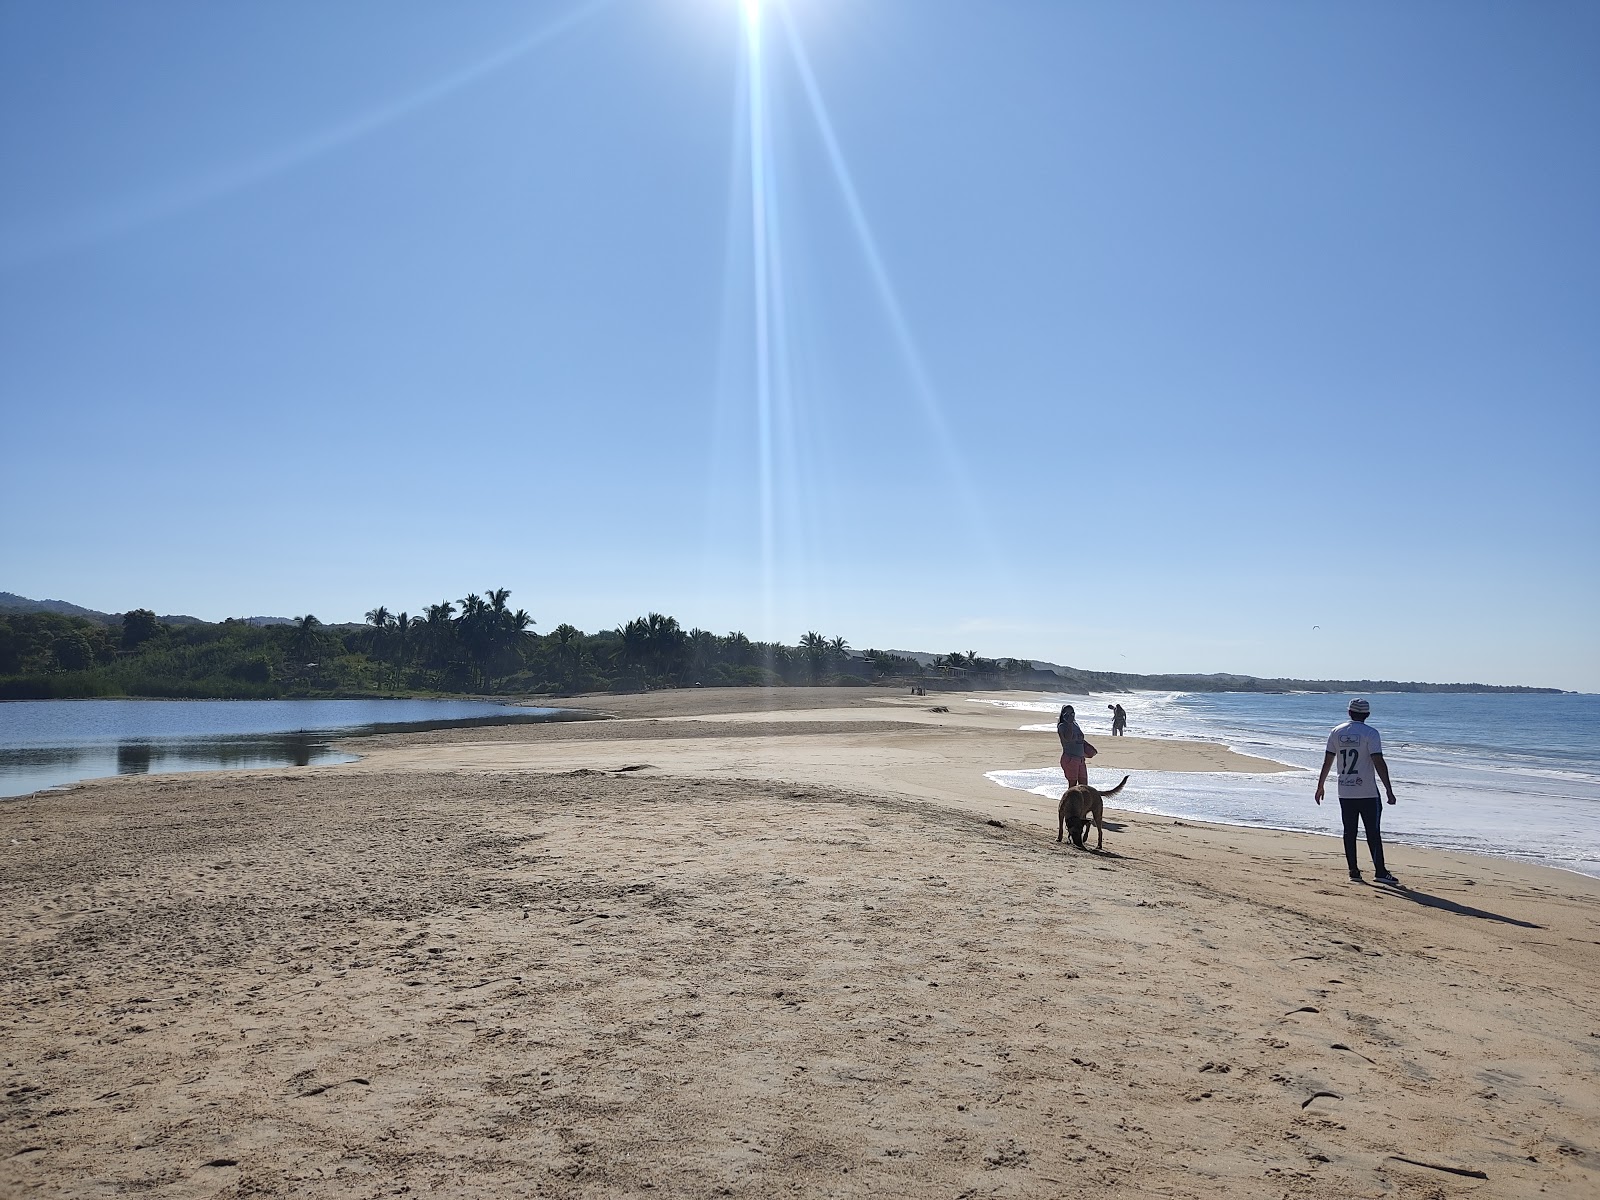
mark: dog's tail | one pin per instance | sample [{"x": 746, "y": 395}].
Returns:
[{"x": 1115, "y": 790}]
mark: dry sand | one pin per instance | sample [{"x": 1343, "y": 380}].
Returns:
[{"x": 800, "y": 947}]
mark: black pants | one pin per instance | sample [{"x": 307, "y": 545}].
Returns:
[{"x": 1370, "y": 813}]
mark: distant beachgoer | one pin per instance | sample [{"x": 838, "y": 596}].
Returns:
[
  {"x": 1119, "y": 720},
  {"x": 1073, "y": 747},
  {"x": 1359, "y": 751}
]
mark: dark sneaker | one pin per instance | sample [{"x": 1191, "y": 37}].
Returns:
[
  {"x": 1356, "y": 875},
  {"x": 1385, "y": 877}
]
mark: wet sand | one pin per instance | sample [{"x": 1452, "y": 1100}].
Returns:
[{"x": 744, "y": 943}]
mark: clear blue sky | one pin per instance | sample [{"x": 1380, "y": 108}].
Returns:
[{"x": 1155, "y": 334}]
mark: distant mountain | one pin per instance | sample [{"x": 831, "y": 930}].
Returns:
[
  {"x": 1076, "y": 680},
  {"x": 11, "y": 602}
]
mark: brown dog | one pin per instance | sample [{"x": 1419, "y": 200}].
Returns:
[{"x": 1079, "y": 803}]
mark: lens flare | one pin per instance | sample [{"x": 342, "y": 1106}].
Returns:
[
  {"x": 761, "y": 246},
  {"x": 788, "y": 469},
  {"x": 911, "y": 356}
]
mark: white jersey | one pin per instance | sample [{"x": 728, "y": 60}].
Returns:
[{"x": 1352, "y": 745}]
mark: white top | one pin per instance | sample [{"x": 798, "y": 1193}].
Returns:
[{"x": 1353, "y": 744}]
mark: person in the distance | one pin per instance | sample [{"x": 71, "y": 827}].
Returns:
[
  {"x": 1359, "y": 752},
  {"x": 1073, "y": 764}
]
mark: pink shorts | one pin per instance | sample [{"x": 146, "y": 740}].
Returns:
[{"x": 1075, "y": 769}]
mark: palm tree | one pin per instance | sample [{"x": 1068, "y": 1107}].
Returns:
[
  {"x": 306, "y": 638},
  {"x": 403, "y": 625},
  {"x": 475, "y": 633},
  {"x": 569, "y": 652},
  {"x": 839, "y": 648},
  {"x": 739, "y": 648},
  {"x": 380, "y": 620},
  {"x": 816, "y": 651},
  {"x": 438, "y": 632},
  {"x": 511, "y": 635},
  {"x": 665, "y": 641},
  {"x": 703, "y": 646},
  {"x": 635, "y": 648}
]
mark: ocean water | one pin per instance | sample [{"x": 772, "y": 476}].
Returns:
[
  {"x": 1512, "y": 775},
  {"x": 53, "y": 743}
]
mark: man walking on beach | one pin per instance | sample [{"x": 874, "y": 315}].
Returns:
[
  {"x": 1360, "y": 753},
  {"x": 1119, "y": 719}
]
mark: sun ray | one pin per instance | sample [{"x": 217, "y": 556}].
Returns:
[
  {"x": 761, "y": 245},
  {"x": 888, "y": 296}
]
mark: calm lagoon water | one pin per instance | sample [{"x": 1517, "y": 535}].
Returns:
[
  {"x": 52, "y": 743},
  {"x": 1514, "y": 775}
]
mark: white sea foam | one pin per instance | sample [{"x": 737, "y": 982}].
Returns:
[{"x": 1536, "y": 802}]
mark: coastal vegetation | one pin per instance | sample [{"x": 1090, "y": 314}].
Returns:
[
  {"x": 477, "y": 645},
  {"x": 480, "y": 645}
]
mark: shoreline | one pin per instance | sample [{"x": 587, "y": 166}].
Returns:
[
  {"x": 837, "y": 708},
  {"x": 782, "y": 706}
]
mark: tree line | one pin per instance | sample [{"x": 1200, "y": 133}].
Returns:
[
  {"x": 480, "y": 645},
  {"x": 477, "y": 645}
]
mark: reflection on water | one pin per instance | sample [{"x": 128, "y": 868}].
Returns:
[
  {"x": 286, "y": 750},
  {"x": 30, "y": 769},
  {"x": 47, "y": 744}
]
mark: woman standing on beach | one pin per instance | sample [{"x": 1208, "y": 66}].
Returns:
[{"x": 1073, "y": 747}]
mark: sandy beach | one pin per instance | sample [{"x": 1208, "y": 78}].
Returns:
[{"x": 735, "y": 942}]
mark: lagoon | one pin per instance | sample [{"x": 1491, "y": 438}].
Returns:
[{"x": 55, "y": 743}]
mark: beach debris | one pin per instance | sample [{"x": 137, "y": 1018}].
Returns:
[
  {"x": 1219, "y": 1068},
  {"x": 1306, "y": 1103},
  {"x": 1303, "y": 1008},
  {"x": 325, "y": 1087},
  {"x": 1349, "y": 1050},
  {"x": 1002, "y": 825},
  {"x": 939, "y": 708},
  {"x": 1469, "y": 1172},
  {"x": 221, "y": 1162}
]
